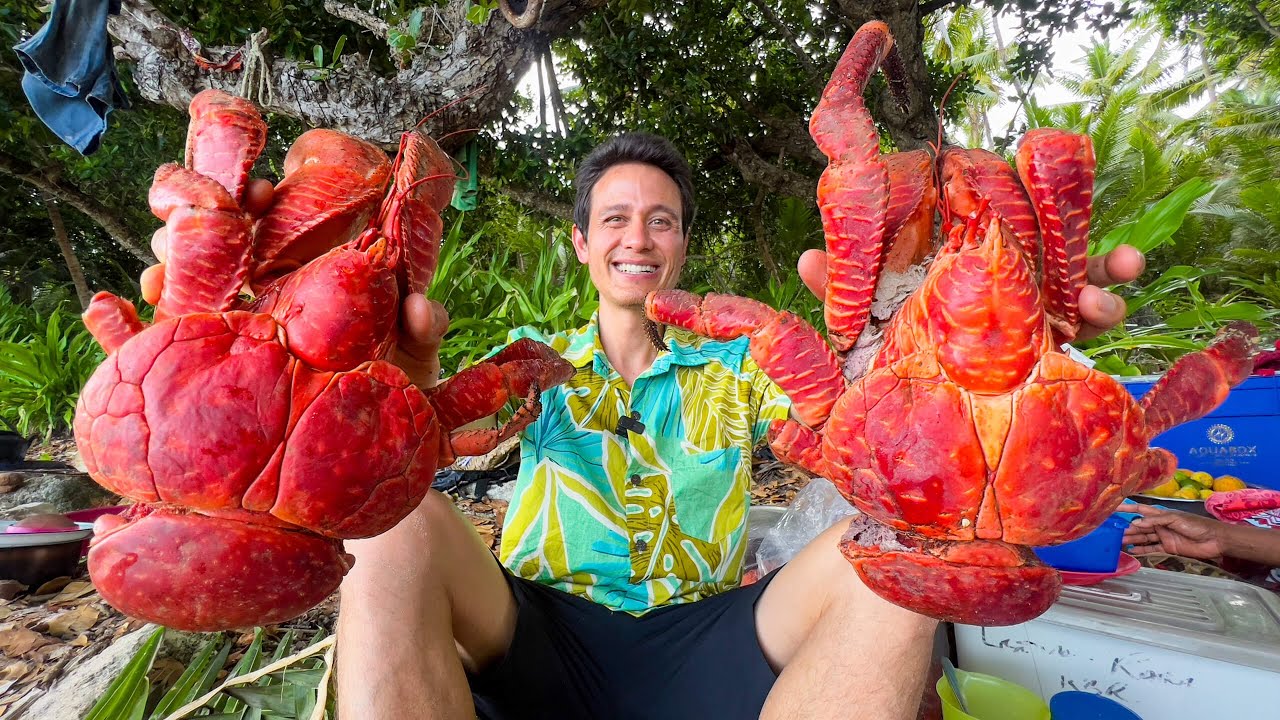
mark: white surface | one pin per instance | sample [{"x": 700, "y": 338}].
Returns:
[{"x": 1166, "y": 645}]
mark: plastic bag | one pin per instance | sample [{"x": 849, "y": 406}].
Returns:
[{"x": 815, "y": 508}]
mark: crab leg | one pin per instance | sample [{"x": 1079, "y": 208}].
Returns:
[
  {"x": 1057, "y": 169},
  {"x": 913, "y": 198},
  {"x": 1198, "y": 382},
  {"x": 853, "y": 193},
  {"x": 111, "y": 320},
  {"x": 209, "y": 242},
  {"x": 522, "y": 369},
  {"x": 332, "y": 186},
  {"x": 787, "y": 348},
  {"x": 224, "y": 138}
]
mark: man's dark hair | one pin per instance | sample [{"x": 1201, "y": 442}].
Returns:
[{"x": 634, "y": 147}]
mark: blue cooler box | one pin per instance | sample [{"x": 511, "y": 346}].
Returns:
[
  {"x": 1241, "y": 437},
  {"x": 1097, "y": 552}
]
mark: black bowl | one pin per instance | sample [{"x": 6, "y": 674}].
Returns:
[{"x": 13, "y": 447}]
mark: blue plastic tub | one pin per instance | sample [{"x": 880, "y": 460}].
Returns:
[
  {"x": 1239, "y": 438},
  {"x": 1097, "y": 552},
  {"x": 1075, "y": 705}
]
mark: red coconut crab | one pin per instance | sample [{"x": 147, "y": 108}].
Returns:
[
  {"x": 971, "y": 437},
  {"x": 256, "y": 434}
]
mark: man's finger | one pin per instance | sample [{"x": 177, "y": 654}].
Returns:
[
  {"x": 813, "y": 271},
  {"x": 1100, "y": 311},
  {"x": 258, "y": 195},
  {"x": 160, "y": 243},
  {"x": 1122, "y": 265},
  {"x": 152, "y": 282},
  {"x": 424, "y": 321}
]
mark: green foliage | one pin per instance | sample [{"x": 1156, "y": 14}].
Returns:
[
  {"x": 43, "y": 364},
  {"x": 489, "y": 288},
  {"x": 283, "y": 690},
  {"x": 126, "y": 696},
  {"x": 1234, "y": 35}
]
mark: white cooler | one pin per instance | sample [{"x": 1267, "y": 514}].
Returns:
[{"x": 1167, "y": 645}]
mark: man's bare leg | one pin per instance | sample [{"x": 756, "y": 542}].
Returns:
[
  {"x": 842, "y": 650},
  {"x": 424, "y": 602}
]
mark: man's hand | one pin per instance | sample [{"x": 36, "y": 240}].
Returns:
[
  {"x": 422, "y": 322},
  {"x": 1100, "y": 310},
  {"x": 1176, "y": 533}
]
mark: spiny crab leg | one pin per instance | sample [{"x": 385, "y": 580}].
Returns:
[
  {"x": 520, "y": 370},
  {"x": 853, "y": 191},
  {"x": 789, "y": 350},
  {"x": 1057, "y": 169},
  {"x": 913, "y": 198},
  {"x": 111, "y": 320},
  {"x": 1198, "y": 382}
]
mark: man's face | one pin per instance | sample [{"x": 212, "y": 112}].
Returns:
[{"x": 635, "y": 243}]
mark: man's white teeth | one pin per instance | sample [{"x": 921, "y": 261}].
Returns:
[{"x": 637, "y": 269}]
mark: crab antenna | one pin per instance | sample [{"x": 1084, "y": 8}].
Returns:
[{"x": 468, "y": 96}]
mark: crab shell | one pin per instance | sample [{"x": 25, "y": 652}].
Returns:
[
  {"x": 971, "y": 437},
  {"x": 255, "y": 436}
]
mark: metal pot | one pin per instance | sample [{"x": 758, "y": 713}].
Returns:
[{"x": 36, "y": 558}]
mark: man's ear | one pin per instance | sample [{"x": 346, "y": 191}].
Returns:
[{"x": 580, "y": 245}]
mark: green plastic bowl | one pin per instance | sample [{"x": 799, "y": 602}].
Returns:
[{"x": 990, "y": 698}]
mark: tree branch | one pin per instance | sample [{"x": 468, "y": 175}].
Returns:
[
  {"x": 1262, "y": 19},
  {"x": 372, "y": 23},
  {"x": 482, "y": 64},
  {"x": 757, "y": 171},
  {"x": 540, "y": 201},
  {"x": 805, "y": 60},
  {"x": 934, "y": 5},
  {"x": 72, "y": 196}
]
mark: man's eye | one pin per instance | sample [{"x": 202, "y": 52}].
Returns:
[{"x": 661, "y": 222}]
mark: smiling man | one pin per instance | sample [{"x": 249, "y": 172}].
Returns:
[{"x": 616, "y": 594}]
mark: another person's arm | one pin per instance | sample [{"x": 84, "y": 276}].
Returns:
[{"x": 1201, "y": 538}]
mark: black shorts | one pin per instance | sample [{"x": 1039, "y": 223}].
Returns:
[{"x": 572, "y": 659}]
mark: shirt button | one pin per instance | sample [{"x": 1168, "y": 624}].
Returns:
[
  {"x": 635, "y": 481},
  {"x": 641, "y": 546}
]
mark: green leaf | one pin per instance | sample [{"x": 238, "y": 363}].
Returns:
[
  {"x": 478, "y": 14},
  {"x": 1154, "y": 227},
  {"x": 187, "y": 687},
  {"x": 126, "y": 696},
  {"x": 1217, "y": 315},
  {"x": 414, "y": 26}
]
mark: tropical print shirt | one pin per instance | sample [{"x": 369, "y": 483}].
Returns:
[{"x": 651, "y": 516}]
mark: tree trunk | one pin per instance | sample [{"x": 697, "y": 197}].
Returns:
[
  {"x": 462, "y": 86},
  {"x": 72, "y": 196},
  {"x": 68, "y": 252}
]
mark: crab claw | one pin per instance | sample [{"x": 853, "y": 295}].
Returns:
[{"x": 975, "y": 583}]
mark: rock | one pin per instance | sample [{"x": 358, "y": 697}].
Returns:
[
  {"x": 10, "y": 481},
  {"x": 81, "y": 684},
  {"x": 62, "y": 492}
]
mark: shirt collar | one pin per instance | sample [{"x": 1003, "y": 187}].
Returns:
[{"x": 685, "y": 349}]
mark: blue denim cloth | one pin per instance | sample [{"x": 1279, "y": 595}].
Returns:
[{"x": 70, "y": 77}]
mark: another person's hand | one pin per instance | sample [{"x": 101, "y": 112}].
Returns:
[
  {"x": 1100, "y": 310},
  {"x": 422, "y": 322},
  {"x": 1175, "y": 533}
]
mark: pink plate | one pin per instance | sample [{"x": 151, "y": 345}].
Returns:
[{"x": 1128, "y": 565}]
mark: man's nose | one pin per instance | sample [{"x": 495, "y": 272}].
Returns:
[{"x": 637, "y": 236}]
